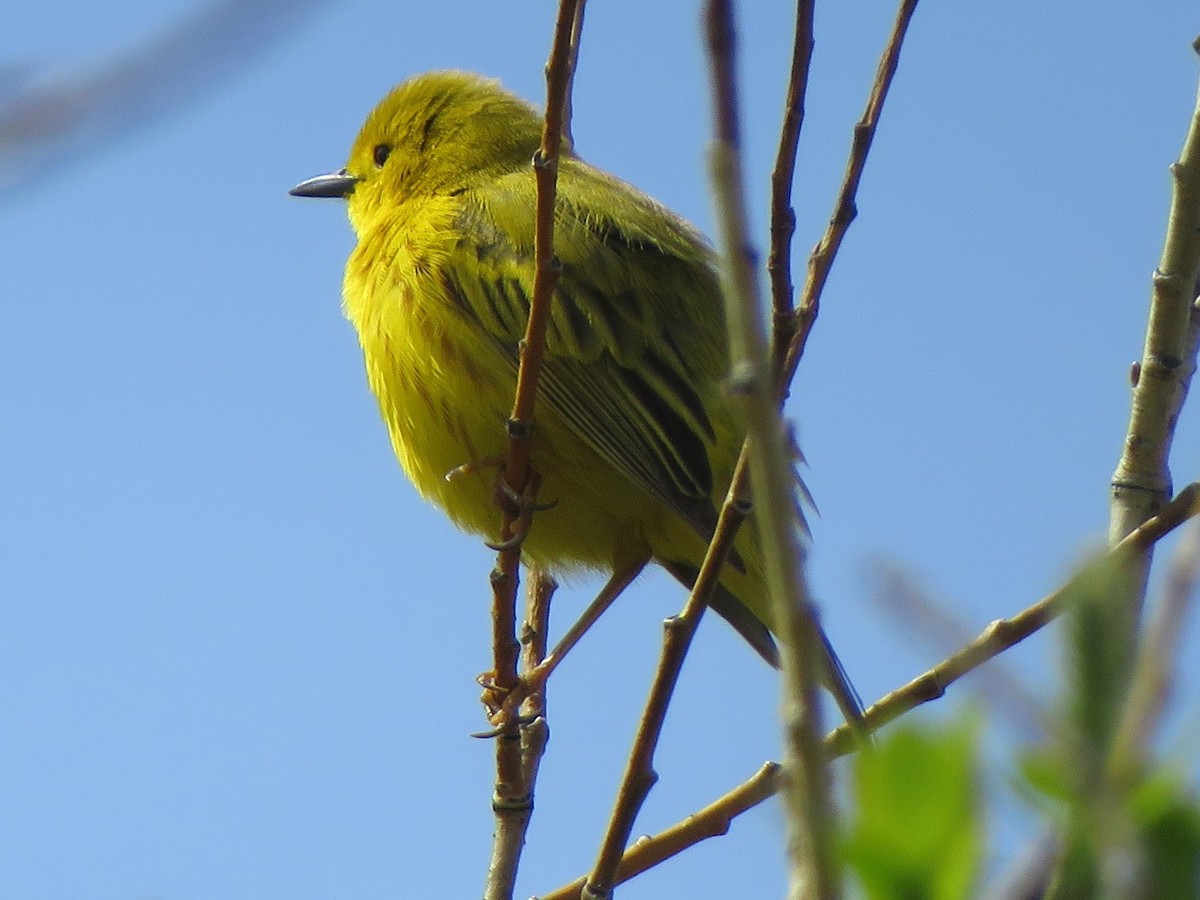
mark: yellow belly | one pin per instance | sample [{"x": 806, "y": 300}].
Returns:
[{"x": 445, "y": 394}]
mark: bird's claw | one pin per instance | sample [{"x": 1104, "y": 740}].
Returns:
[
  {"x": 502, "y": 703},
  {"x": 521, "y": 505}
]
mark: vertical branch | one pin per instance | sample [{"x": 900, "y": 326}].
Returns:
[
  {"x": 783, "y": 215},
  {"x": 513, "y": 787},
  {"x": 1141, "y": 483},
  {"x": 639, "y": 774},
  {"x": 814, "y": 870},
  {"x": 1158, "y": 655},
  {"x": 572, "y": 63},
  {"x": 820, "y": 261}
]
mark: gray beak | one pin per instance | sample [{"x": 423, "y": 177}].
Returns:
[{"x": 335, "y": 184}]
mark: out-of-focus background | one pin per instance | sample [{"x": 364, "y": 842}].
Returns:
[{"x": 236, "y": 649}]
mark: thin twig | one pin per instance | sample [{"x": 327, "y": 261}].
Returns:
[
  {"x": 911, "y": 607},
  {"x": 820, "y": 261},
  {"x": 512, "y": 801},
  {"x": 783, "y": 215},
  {"x": 535, "y": 631},
  {"x": 511, "y": 787},
  {"x": 1142, "y": 480},
  {"x": 711, "y": 821},
  {"x": 678, "y": 632},
  {"x": 572, "y": 64},
  {"x": 810, "y": 818},
  {"x": 930, "y": 685}
]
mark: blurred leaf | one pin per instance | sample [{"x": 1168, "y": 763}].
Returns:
[
  {"x": 1042, "y": 769},
  {"x": 1167, "y": 820},
  {"x": 1101, "y": 632},
  {"x": 917, "y": 831}
]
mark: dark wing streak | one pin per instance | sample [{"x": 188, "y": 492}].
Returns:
[{"x": 601, "y": 373}]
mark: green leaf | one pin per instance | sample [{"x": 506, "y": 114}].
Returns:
[
  {"x": 1167, "y": 820},
  {"x": 916, "y": 831}
]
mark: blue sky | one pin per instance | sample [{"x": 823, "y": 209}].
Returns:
[{"x": 237, "y": 651}]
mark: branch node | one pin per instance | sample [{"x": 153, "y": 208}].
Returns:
[{"x": 517, "y": 429}]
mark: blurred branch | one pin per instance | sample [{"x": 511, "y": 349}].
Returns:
[
  {"x": 513, "y": 775},
  {"x": 1029, "y": 876},
  {"x": 639, "y": 774},
  {"x": 48, "y": 124},
  {"x": 1004, "y": 633},
  {"x": 1142, "y": 480},
  {"x": 922, "y": 615},
  {"x": 1157, "y": 656},
  {"x": 813, "y": 868}
]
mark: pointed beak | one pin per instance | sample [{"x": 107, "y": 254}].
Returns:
[{"x": 335, "y": 184}]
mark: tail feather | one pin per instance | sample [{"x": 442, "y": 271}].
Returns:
[
  {"x": 758, "y": 636},
  {"x": 733, "y": 611},
  {"x": 837, "y": 679}
]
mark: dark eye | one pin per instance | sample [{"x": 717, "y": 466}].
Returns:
[{"x": 381, "y": 153}]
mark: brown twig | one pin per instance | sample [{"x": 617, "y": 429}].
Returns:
[
  {"x": 820, "y": 261},
  {"x": 512, "y": 800},
  {"x": 572, "y": 64},
  {"x": 711, "y": 821},
  {"x": 810, "y": 812},
  {"x": 535, "y": 630},
  {"x": 678, "y": 632},
  {"x": 510, "y": 774},
  {"x": 930, "y": 685},
  {"x": 783, "y": 215}
]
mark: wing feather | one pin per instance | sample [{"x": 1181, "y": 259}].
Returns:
[{"x": 635, "y": 342}]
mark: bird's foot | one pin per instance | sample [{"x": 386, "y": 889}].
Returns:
[
  {"x": 520, "y": 506},
  {"x": 503, "y": 703}
]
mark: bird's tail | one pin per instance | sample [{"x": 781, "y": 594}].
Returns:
[{"x": 758, "y": 636}]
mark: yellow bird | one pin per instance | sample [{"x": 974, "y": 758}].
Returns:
[{"x": 634, "y": 436}]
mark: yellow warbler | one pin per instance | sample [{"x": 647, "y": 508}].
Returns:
[{"x": 634, "y": 436}]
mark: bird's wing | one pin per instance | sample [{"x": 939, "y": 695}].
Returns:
[{"x": 635, "y": 347}]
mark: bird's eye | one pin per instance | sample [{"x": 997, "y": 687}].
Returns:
[{"x": 381, "y": 153}]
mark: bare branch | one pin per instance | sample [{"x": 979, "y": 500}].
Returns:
[
  {"x": 1142, "y": 480},
  {"x": 820, "y": 261},
  {"x": 678, "y": 632},
  {"x": 783, "y": 216},
  {"x": 712, "y": 821},
  {"x": 814, "y": 870},
  {"x": 639, "y": 774},
  {"x": 512, "y": 769}
]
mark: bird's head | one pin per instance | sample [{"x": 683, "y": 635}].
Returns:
[{"x": 438, "y": 133}]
